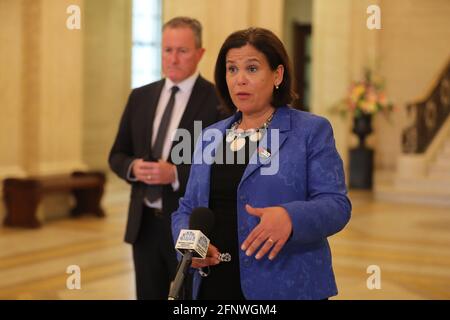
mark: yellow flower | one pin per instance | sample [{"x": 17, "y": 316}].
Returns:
[
  {"x": 369, "y": 106},
  {"x": 357, "y": 91}
]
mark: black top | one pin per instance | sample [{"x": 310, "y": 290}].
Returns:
[{"x": 223, "y": 281}]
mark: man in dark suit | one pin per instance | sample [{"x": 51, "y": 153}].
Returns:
[{"x": 141, "y": 152}]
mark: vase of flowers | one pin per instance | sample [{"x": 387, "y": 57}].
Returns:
[{"x": 365, "y": 99}]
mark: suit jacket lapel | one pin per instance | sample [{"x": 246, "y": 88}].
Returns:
[{"x": 151, "y": 110}]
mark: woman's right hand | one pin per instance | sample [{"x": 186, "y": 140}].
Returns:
[{"x": 212, "y": 258}]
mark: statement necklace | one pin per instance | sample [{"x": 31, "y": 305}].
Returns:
[{"x": 236, "y": 137}]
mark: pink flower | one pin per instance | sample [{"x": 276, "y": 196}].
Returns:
[{"x": 365, "y": 97}]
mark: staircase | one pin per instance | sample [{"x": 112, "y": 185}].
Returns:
[
  {"x": 432, "y": 187},
  {"x": 423, "y": 170},
  {"x": 439, "y": 170}
]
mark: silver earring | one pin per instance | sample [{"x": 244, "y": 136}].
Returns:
[{"x": 277, "y": 87}]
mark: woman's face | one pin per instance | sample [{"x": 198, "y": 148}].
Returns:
[{"x": 250, "y": 80}]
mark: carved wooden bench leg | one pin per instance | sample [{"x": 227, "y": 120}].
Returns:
[
  {"x": 21, "y": 200},
  {"x": 88, "y": 200}
]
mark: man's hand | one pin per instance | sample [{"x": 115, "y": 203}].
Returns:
[
  {"x": 161, "y": 172},
  {"x": 272, "y": 232}
]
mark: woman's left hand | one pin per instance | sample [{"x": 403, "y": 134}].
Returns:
[{"x": 272, "y": 232}]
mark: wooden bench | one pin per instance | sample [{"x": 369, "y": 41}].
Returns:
[{"x": 22, "y": 196}]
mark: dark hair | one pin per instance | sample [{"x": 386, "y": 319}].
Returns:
[
  {"x": 273, "y": 49},
  {"x": 186, "y": 22}
]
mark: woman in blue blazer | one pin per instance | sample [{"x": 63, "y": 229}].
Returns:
[{"x": 273, "y": 179}]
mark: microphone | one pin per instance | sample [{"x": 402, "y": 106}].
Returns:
[{"x": 192, "y": 242}]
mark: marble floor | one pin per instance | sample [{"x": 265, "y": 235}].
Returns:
[{"x": 388, "y": 251}]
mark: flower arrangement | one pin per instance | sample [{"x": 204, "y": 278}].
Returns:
[{"x": 365, "y": 97}]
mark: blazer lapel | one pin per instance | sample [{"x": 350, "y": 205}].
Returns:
[
  {"x": 269, "y": 146},
  {"x": 199, "y": 157},
  {"x": 211, "y": 138}
]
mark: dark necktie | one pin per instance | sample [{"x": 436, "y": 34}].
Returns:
[{"x": 154, "y": 191}]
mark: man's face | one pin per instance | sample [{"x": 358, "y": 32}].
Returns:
[{"x": 180, "y": 56}]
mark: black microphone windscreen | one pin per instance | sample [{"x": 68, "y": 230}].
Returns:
[{"x": 202, "y": 219}]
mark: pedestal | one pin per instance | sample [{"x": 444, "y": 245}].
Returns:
[
  {"x": 361, "y": 168},
  {"x": 361, "y": 157}
]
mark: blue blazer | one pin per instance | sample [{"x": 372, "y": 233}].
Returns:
[{"x": 300, "y": 170}]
